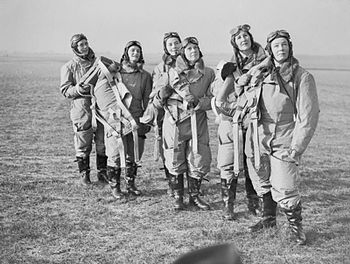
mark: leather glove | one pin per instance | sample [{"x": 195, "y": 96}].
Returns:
[
  {"x": 114, "y": 67},
  {"x": 244, "y": 79},
  {"x": 228, "y": 69},
  {"x": 83, "y": 89},
  {"x": 191, "y": 99},
  {"x": 165, "y": 92}
]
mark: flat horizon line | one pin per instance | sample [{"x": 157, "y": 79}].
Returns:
[{"x": 19, "y": 53}]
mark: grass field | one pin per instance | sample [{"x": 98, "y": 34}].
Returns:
[{"x": 47, "y": 217}]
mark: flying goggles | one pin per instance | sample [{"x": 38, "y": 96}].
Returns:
[
  {"x": 189, "y": 40},
  {"x": 236, "y": 30},
  {"x": 278, "y": 33}
]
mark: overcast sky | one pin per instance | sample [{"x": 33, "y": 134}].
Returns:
[{"x": 317, "y": 27}]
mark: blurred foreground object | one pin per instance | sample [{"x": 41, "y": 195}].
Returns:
[{"x": 218, "y": 254}]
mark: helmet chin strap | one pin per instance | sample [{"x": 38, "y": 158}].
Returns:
[{"x": 83, "y": 56}]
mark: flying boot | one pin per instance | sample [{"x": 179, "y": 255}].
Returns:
[
  {"x": 131, "y": 172},
  {"x": 101, "y": 164},
  {"x": 268, "y": 215},
  {"x": 113, "y": 177},
  {"x": 194, "y": 192},
  {"x": 84, "y": 169},
  {"x": 177, "y": 185},
  {"x": 295, "y": 225},
  {"x": 228, "y": 192},
  {"x": 253, "y": 199}
]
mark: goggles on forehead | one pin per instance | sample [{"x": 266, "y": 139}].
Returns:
[
  {"x": 236, "y": 30},
  {"x": 191, "y": 40},
  {"x": 171, "y": 35},
  {"x": 133, "y": 43},
  {"x": 278, "y": 33}
]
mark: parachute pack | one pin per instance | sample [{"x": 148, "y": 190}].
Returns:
[{"x": 111, "y": 100}]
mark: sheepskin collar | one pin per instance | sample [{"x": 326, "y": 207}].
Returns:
[
  {"x": 251, "y": 60},
  {"x": 286, "y": 70},
  {"x": 130, "y": 68},
  {"x": 182, "y": 65}
]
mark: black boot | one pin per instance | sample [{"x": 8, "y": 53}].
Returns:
[
  {"x": 194, "y": 191},
  {"x": 268, "y": 218},
  {"x": 84, "y": 169},
  {"x": 253, "y": 199},
  {"x": 228, "y": 192},
  {"x": 177, "y": 185},
  {"x": 101, "y": 164},
  {"x": 295, "y": 219},
  {"x": 113, "y": 178},
  {"x": 191, "y": 202},
  {"x": 130, "y": 174},
  {"x": 168, "y": 176}
]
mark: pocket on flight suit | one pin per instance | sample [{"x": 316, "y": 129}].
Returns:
[
  {"x": 81, "y": 114},
  {"x": 265, "y": 166}
]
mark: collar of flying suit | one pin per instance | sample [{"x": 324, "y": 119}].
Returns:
[
  {"x": 286, "y": 70},
  {"x": 127, "y": 67},
  {"x": 183, "y": 66},
  {"x": 245, "y": 62}
]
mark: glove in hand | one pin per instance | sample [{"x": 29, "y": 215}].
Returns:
[
  {"x": 84, "y": 89},
  {"x": 228, "y": 69},
  {"x": 191, "y": 99},
  {"x": 165, "y": 92}
]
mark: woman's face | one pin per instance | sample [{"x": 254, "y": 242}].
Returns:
[
  {"x": 83, "y": 47},
  {"x": 243, "y": 41},
  {"x": 134, "y": 53},
  {"x": 173, "y": 46},
  {"x": 192, "y": 52},
  {"x": 280, "y": 49}
]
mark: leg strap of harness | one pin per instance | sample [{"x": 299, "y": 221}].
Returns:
[
  {"x": 121, "y": 152},
  {"x": 93, "y": 111},
  {"x": 237, "y": 144},
  {"x": 157, "y": 138},
  {"x": 176, "y": 143},
  {"x": 194, "y": 132},
  {"x": 136, "y": 145},
  {"x": 254, "y": 121}
]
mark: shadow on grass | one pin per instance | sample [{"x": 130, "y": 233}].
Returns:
[{"x": 330, "y": 184}]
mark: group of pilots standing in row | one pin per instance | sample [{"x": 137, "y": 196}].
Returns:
[{"x": 264, "y": 93}]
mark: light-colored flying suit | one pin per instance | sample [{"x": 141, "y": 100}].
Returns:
[
  {"x": 225, "y": 157},
  {"x": 182, "y": 152},
  {"x": 80, "y": 112},
  {"x": 288, "y": 119}
]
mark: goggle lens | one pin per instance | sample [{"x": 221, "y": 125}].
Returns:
[
  {"x": 236, "y": 30},
  {"x": 277, "y": 33},
  {"x": 191, "y": 40}
]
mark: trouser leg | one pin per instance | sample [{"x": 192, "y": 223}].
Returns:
[{"x": 168, "y": 177}]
